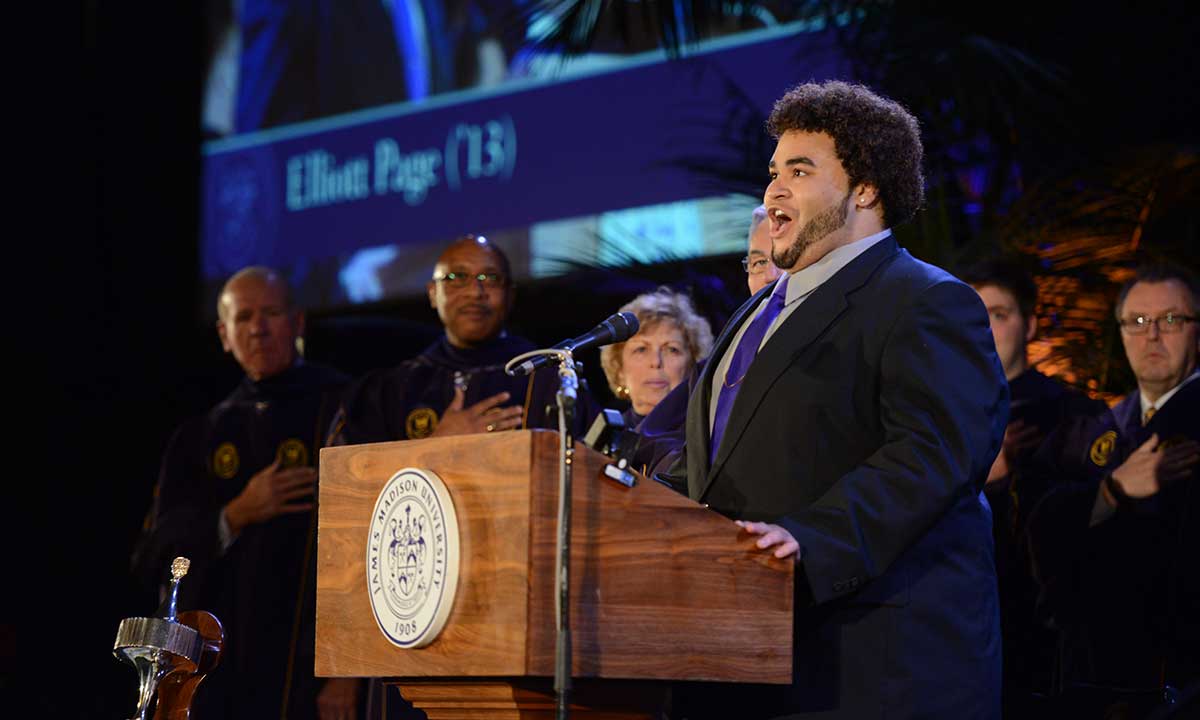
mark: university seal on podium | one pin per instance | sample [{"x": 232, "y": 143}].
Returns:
[{"x": 412, "y": 558}]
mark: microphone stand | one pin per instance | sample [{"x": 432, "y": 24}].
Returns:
[{"x": 565, "y": 399}]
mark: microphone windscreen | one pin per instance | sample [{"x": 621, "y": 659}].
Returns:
[{"x": 627, "y": 328}]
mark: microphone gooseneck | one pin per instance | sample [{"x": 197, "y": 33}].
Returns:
[{"x": 616, "y": 328}]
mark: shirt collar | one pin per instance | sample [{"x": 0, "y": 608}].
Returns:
[
  {"x": 1146, "y": 404},
  {"x": 803, "y": 282}
]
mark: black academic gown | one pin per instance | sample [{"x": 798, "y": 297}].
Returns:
[
  {"x": 407, "y": 402},
  {"x": 1029, "y": 646},
  {"x": 260, "y": 586},
  {"x": 1123, "y": 591}
]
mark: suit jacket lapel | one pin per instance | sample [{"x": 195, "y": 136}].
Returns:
[
  {"x": 697, "y": 429},
  {"x": 801, "y": 328}
]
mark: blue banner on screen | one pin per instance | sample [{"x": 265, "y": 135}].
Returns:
[{"x": 650, "y": 131}]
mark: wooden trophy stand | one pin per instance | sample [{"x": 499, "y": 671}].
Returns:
[
  {"x": 662, "y": 589},
  {"x": 176, "y": 690}
]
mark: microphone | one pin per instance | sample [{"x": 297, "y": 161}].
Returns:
[{"x": 617, "y": 328}]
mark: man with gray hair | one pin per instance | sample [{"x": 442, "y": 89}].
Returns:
[
  {"x": 1114, "y": 542},
  {"x": 760, "y": 270},
  {"x": 236, "y": 495}
]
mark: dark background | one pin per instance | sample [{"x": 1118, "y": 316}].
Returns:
[{"x": 125, "y": 353}]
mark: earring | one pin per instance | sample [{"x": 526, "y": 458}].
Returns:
[{"x": 621, "y": 392}]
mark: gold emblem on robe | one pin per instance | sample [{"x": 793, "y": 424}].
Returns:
[
  {"x": 420, "y": 423},
  {"x": 292, "y": 453},
  {"x": 1103, "y": 447},
  {"x": 225, "y": 461}
]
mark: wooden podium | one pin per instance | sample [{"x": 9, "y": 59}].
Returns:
[{"x": 661, "y": 588}]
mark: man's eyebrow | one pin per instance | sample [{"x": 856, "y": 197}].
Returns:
[
  {"x": 1173, "y": 310},
  {"x": 759, "y": 253},
  {"x": 798, "y": 160},
  {"x": 485, "y": 270}
]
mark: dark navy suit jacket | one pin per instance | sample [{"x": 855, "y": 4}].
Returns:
[{"x": 866, "y": 426}]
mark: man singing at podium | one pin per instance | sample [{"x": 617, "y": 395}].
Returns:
[{"x": 848, "y": 417}]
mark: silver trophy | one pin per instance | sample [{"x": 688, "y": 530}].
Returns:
[{"x": 159, "y": 647}]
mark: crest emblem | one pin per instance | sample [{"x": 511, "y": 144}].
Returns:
[
  {"x": 420, "y": 423},
  {"x": 1103, "y": 447},
  {"x": 412, "y": 558},
  {"x": 292, "y": 453},
  {"x": 225, "y": 461}
]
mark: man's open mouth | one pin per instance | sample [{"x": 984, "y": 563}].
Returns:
[{"x": 779, "y": 221}]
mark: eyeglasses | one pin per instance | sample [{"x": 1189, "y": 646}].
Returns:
[
  {"x": 1169, "y": 323},
  {"x": 458, "y": 281},
  {"x": 757, "y": 266}
]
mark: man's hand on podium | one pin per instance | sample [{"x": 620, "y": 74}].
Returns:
[{"x": 772, "y": 536}]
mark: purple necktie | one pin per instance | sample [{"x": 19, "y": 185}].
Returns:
[{"x": 742, "y": 357}]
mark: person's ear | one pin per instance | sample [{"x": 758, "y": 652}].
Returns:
[
  {"x": 622, "y": 390},
  {"x": 222, "y": 333},
  {"x": 431, "y": 291},
  {"x": 1031, "y": 326},
  {"x": 866, "y": 196}
]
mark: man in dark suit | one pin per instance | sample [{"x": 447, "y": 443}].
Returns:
[{"x": 848, "y": 417}]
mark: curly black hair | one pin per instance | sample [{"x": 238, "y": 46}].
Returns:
[{"x": 877, "y": 140}]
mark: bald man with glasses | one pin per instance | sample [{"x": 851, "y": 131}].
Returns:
[{"x": 457, "y": 386}]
